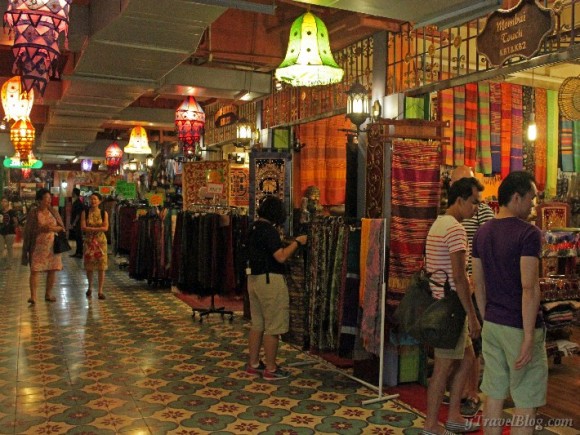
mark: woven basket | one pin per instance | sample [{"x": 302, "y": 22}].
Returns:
[{"x": 569, "y": 98}]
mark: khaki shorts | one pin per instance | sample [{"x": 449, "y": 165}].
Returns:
[
  {"x": 269, "y": 304},
  {"x": 459, "y": 351},
  {"x": 501, "y": 348}
]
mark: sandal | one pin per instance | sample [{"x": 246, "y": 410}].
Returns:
[
  {"x": 89, "y": 292},
  {"x": 31, "y": 301},
  {"x": 50, "y": 298},
  {"x": 102, "y": 296}
]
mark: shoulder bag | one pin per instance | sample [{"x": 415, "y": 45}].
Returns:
[{"x": 61, "y": 243}]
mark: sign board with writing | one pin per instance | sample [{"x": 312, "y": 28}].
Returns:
[
  {"x": 105, "y": 190},
  {"x": 126, "y": 190},
  {"x": 226, "y": 115},
  {"x": 516, "y": 32},
  {"x": 155, "y": 199}
]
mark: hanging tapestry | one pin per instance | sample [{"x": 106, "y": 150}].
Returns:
[
  {"x": 576, "y": 139},
  {"x": 470, "y": 124},
  {"x": 506, "y": 128},
  {"x": 541, "y": 144},
  {"x": 416, "y": 193},
  {"x": 446, "y": 105},
  {"x": 205, "y": 183},
  {"x": 239, "y": 186},
  {"x": 459, "y": 125},
  {"x": 323, "y": 159},
  {"x": 495, "y": 126},
  {"x": 298, "y": 300},
  {"x": 566, "y": 150},
  {"x": 484, "y": 142},
  {"x": 528, "y": 147},
  {"x": 552, "y": 143},
  {"x": 517, "y": 129}
]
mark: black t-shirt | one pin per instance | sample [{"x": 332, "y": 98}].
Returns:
[
  {"x": 7, "y": 223},
  {"x": 264, "y": 240},
  {"x": 77, "y": 210}
]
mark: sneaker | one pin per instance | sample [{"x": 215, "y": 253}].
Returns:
[
  {"x": 275, "y": 375},
  {"x": 256, "y": 371},
  {"x": 470, "y": 407}
]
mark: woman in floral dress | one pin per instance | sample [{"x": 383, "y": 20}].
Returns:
[
  {"x": 42, "y": 222},
  {"x": 94, "y": 223}
]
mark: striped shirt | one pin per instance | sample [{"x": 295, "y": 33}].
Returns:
[
  {"x": 445, "y": 237},
  {"x": 471, "y": 225}
]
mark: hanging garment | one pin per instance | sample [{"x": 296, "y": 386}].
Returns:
[
  {"x": 553, "y": 125},
  {"x": 470, "y": 124},
  {"x": 459, "y": 125},
  {"x": 541, "y": 145},
  {"x": 576, "y": 140},
  {"x": 528, "y": 151},
  {"x": 446, "y": 107},
  {"x": 506, "y": 128},
  {"x": 516, "y": 163},
  {"x": 484, "y": 130},
  {"x": 495, "y": 126},
  {"x": 566, "y": 142}
]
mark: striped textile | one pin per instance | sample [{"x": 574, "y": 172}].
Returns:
[
  {"x": 415, "y": 200},
  {"x": 516, "y": 163},
  {"x": 541, "y": 145},
  {"x": 566, "y": 139},
  {"x": 484, "y": 149},
  {"x": 576, "y": 141},
  {"x": 552, "y": 143},
  {"x": 470, "y": 124},
  {"x": 506, "y": 128},
  {"x": 446, "y": 107},
  {"x": 528, "y": 148},
  {"x": 459, "y": 125},
  {"x": 495, "y": 126}
]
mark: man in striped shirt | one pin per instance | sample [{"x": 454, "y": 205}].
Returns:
[{"x": 446, "y": 250}]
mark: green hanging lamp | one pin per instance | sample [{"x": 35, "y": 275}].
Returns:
[{"x": 309, "y": 61}]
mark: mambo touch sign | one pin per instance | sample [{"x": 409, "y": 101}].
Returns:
[{"x": 516, "y": 32}]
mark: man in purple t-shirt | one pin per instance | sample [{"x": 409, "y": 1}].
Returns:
[{"x": 506, "y": 254}]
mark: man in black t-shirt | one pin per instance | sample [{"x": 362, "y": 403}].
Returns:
[{"x": 77, "y": 210}]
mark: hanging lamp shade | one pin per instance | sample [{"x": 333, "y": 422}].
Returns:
[
  {"x": 138, "y": 143},
  {"x": 309, "y": 61},
  {"x": 36, "y": 25},
  {"x": 113, "y": 156},
  {"x": 189, "y": 121},
  {"x": 22, "y": 135},
  {"x": 17, "y": 102}
]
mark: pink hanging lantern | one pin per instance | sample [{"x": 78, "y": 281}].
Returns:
[
  {"x": 113, "y": 156},
  {"x": 190, "y": 121},
  {"x": 37, "y": 25}
]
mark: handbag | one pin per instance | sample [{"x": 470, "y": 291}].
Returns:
[
  {"x": 60, "y": 243},
  {"x": 417, "y": 299}
]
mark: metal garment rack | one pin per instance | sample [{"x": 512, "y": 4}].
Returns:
[{"x": 379, "y": 389}]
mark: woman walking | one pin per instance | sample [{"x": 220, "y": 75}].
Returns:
[
  {"x": 42, "y": 222},
  {"x": 94, "y": 223},
  {"x": 8, "y": 226}
]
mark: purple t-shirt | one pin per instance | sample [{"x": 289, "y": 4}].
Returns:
[{"x": 499, "y": 244}]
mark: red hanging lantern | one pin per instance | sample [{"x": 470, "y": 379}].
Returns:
[
  {"x": 113, "y": 156},
  {"x": 37, "y": 25},
  {"x": 22, "y": 135},
  {"x": 26, "y": 172},
  {"x": 190, "y": 121}
]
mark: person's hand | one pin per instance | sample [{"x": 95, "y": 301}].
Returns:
[
  {"x": 474, "y": 327},
  {"x": 526, "y": 354},
  {"x": 302, "y": 240}
]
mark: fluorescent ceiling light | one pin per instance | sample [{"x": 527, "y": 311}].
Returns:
[{"x": 460, "y": 14}]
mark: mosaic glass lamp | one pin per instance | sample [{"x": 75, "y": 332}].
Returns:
[
  {"x": 17, "y": 102},
  {"x": 138, "y": 142}
]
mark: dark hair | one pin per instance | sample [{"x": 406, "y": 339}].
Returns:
[
  {"x": 76, "y": 191},
  {"x": 516, "y": 182},
  {"x": 98, "y": 195},
  {"x": 463, "y": 188},
  {"x": 272, "y": 209},
  {"x": 41, "y": 192}
]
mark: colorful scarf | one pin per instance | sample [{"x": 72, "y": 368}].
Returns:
[
  {"x": 516, "y": 163},
  {"x": 495, "y": 126},
  {"x": 470, "y": 124},
  {"x": 552, "y": 142},
  {"x": 484, "y": 149},
  {"x": 566, "y": 140},
  {"x": 541, "y": 145},
  {"x": 459, "y": 125},
  {"x": 446, "y": 99},
  {"x": 528, "y": 145},
  {"x": 506, "y": 128},
  {"x": 576, "y": 139}
]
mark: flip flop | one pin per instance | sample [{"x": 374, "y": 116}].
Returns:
[{"x": 468, "y": 426}]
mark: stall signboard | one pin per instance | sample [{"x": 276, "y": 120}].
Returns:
[
  {"x": 215, "y": 188},
  {"x": 155, "y": 199},
  {"x": 226, "y": 115},
  {"x": 105, "y": 190},
  {"x": 126, "y": 190},
  {"x": 516, "y": 32}
]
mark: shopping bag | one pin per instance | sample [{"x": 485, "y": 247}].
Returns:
[{"x": 61, "y": 243}]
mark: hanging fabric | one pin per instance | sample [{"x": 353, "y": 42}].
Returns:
[
  {"x": 566, "y": 139},
  {"x": 576, "y": 139},
  {"x": 506, "y": 128},
  {"x": 446, "y": 107},
  {"x": 459, "y": 125},
  {"x": 528, "y": 147},
  {"x": 470, "y": 124},
  {"x": 484, "y": 142},
  {"x": 495, "y": 126},
  {"x": 516, "y": 163},
  {"x": 552, "y": 143},
  {"x": 541, "y": 144}
]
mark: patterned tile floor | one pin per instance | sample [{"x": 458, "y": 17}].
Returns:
[{"x": 136, "y": 363}]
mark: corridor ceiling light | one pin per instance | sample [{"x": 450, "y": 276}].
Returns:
[
  {"x": 357, "y": 104},
  {"x": 309, "y": 61},
  {"x": 37, "y": 25},
  {"x": 189, "y": 121},
  {"x": 113, "y": 156},
  {"x": 138, "y": 142},
  {"x": 75, "y": 159},
  {"x": 17, "y": 103}
]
